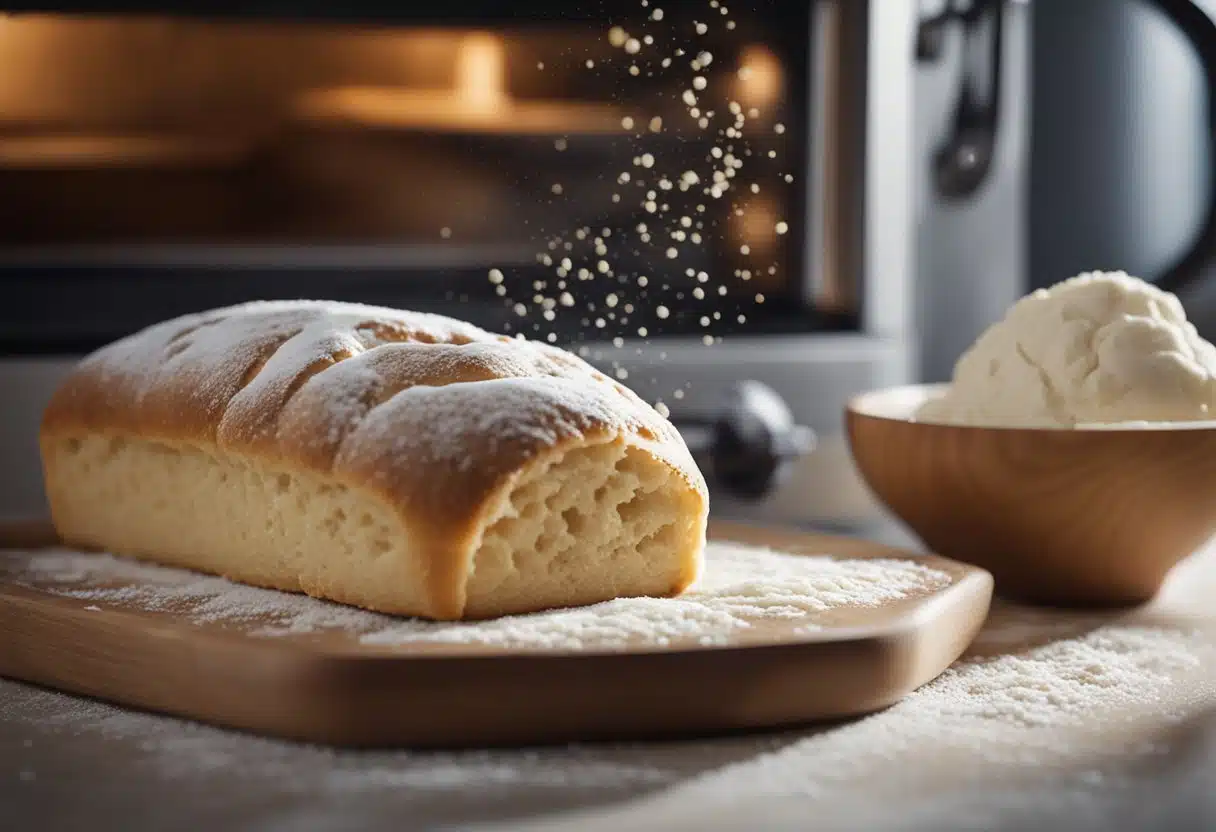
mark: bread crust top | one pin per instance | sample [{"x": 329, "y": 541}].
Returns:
[{"x": 433, "y": 414}]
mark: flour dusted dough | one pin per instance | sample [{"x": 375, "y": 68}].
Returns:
[
  {"x": 401, "y": 462},
  {"x": 1101, "y": 347}
]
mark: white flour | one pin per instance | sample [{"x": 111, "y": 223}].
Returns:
[
  {"x": 355, "y": 382},
  {"x": 1047, "y": 706},
  {"x": 741, "y": 585},
  {"x": 717, "y": 215}
]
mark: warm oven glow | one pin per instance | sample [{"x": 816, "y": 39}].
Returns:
[
  {"x": 477, "y": 101},
  {"x": 628, "y": 178},
  {"x": 761, "y": 79},
  {"x": 481, "y": 74},
  {"x": 756, "y": 226}
]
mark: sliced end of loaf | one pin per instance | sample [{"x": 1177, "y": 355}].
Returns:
[
  {"x": 588, "y": 524},
  {"x": 585, "y": 525}
]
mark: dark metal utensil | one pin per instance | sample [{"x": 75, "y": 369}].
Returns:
[{"x": 746, "y": 447}]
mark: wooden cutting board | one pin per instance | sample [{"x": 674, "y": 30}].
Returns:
[{"x": 107, "y": 636}]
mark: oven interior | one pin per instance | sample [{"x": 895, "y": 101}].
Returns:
[{"x": 614, "y": 173}]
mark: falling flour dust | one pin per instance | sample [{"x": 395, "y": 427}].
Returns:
[
  {"x": 687, "y": 210},
  {"x": 741, "y": 586}
]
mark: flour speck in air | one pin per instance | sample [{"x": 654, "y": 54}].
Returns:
[
  {"x": 742, "y": 586},
  {"x": 686, "y": 80}
]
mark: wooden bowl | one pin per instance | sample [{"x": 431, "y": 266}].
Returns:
[{"x": 1070, "y": 517}]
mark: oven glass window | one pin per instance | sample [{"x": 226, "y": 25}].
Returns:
[{"x": 637, "y": 173}]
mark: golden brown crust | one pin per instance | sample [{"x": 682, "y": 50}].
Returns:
[{"x": 433, "y": 414}]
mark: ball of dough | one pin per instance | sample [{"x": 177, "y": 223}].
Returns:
[{"x": 1101, "y": 347}]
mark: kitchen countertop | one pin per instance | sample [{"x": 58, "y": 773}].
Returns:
[{"x": 1053, "y": 721}]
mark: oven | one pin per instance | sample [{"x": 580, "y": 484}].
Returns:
[{"x": 688, "y": 194}]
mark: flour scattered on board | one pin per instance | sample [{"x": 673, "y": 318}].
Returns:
[{"x": 742, "y": 585}]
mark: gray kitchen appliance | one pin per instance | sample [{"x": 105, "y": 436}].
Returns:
[{"x": 1124, "y": 171}]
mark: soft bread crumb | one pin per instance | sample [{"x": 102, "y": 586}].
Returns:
[
  {"x": 594, "y": 523},
  {"x": 606, "y": 505}
]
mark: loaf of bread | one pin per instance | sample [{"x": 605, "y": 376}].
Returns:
[{"x": 401, "y": 462}]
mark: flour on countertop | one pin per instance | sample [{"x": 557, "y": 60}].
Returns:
[
  {"x": 1046, "y": 719},
  {"x": 741, "y": 585},
  {"x": 1035, "y": 722},
  {"x": 175, "y": 749},
  {"x": 1047, "y": 706}
]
